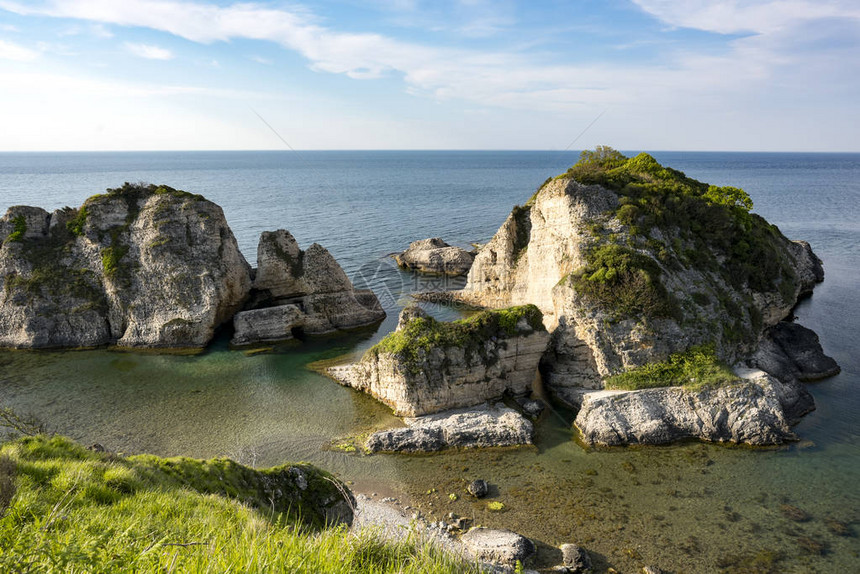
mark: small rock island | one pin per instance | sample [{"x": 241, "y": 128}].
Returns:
[{"x": 434, "y": 256}]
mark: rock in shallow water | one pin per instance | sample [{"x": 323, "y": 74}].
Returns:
[
  {"x": 498, "y": 546},
  {"x": 478, "y": 488},
  {"x": 575, "y": 559},
  {"x": 466, "y": 428},
  {"x": 748, "y": 411},
  {"x": 297, "y": 293}
]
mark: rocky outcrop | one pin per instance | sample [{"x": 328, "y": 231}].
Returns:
[
  {"x": 430, "y": 366},
  {"x": 297, "y": 293},
  {"x": 575, "y": 559},
  {"x": 139, "y": 266},
  {"x": 791, "y": 352},
  {"x": 464, "y": 428},
  {"x": 631, "y": 262},
  {"x": 747, "y": 411},
  {"x": 435, "y": 256}
]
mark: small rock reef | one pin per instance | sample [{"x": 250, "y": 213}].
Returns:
[
  {"x": 146, "y": 266},
  {"x": 297, "y": 293},
  {"x": 436, "y": 257}
]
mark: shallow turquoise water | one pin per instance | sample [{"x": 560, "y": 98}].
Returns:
[{"x": 688, "y": 508}]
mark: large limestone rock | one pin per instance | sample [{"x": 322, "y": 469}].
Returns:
[
  {"x": 707, "y": 273},
  {"x": 430, "y": 366},
  {"x": 747, "y": 411},
  {"x": 298, "y": 293},
  {"x": 484, "y": 426},
  {"x": 435, "y": 256},
  {"x": 139, "y": 266}
]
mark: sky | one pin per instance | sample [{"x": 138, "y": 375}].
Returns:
[{"x": 755, "y": 75}]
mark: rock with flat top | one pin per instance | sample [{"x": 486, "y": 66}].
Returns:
[
  {"x": 464, "y": 428},
  {"x": 498, "y": 546},
  {"x": 428, "y": 366},
  {"x": 747, "y": 411},
  {"x": 435, "y": 256}
]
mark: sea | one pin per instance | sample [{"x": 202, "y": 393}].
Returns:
[{"x": 690, "y": 507}]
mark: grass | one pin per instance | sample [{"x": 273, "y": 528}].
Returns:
[
  {"x": 18, "y": 230},
  {"x": 423, "y": 334},
  {"x": 696, "y": 368},
  {"x": 66, "y": 509}
]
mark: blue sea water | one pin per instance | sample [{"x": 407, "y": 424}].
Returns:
[{"x": 687, "y": 508}]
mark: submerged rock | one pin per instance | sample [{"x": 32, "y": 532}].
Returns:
[
  {"x": 435, "y": 256},
  {"x": 498, "y": 546},
  {"x": 464, "y": 428},
  {"x": 297, "y": 293},
  {"x": 478, "y": 488},
  {"x": 575, "y": 559},
  {"x": 748, "y": 411},
  {"x": 139, "y": 266},
  {"x": 430, "y": 366}
]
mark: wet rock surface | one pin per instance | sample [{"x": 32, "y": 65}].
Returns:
[{"x": 498, "y": 546}]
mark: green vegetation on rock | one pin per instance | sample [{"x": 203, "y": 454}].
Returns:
[
  {"x": 19, "y": 229},
  {"x": 695, "y": 368},
  {"x": 423, "y": 334},
  {"x": 66, "y": 509},
  {"x": 111, "y": 258},
  {"x": 704, "y": 226},
  {"x": 624, "y": 281},
  {"x": 76, "y": 224}
]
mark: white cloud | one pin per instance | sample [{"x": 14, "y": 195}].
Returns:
[
  {"x": 16, "y": 52},
  {"x": 740, "y": 16},
  {"x": 149, "y": 51}
]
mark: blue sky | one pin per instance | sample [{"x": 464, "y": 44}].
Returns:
[{"x": 444, "y": 74}]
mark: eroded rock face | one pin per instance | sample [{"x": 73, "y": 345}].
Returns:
[
  {"x": 748, "y": 411},
  {"x": 435, "y": 256},
  {"x": 463, "y": 428},
  {"x": 299, "y": 293},
  {"x": 429, "y": 366},
  {"x": 140, "y": 266}
]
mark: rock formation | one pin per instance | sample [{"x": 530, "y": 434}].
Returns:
[
  {"x": 435, "y": 256},
  {"x": 150, "y": 266},
  {"x": 498, "y": 546},
  {"x": 749, "y": 411},
  {"x": 631, "y": 262},
  {"x": 299, "y": 292},
  {"x": 429, "y": 366},
  {"x": 139, "y": 266},
  {"x": 462, "y": 428}
]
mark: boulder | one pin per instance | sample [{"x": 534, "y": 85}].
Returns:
[
  {"x": 464, "y": 428},
  {"x": 498, "y": 546},
  {"x": 430, "y": 366},
  {"x": 138, "y": 266},
  {"x": 297, "y": 293},
  {"x": 575, "y": 559},
  {"x": 435, "y": 256},
  {"x": 478, "y": 488},
  {"x": 748, "y": 411},
  {"x": 790, "y": 351}
]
